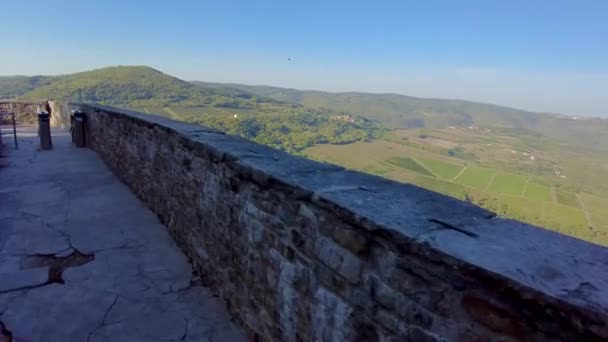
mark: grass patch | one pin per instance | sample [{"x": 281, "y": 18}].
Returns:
[
  {"x": 440, "y": 186},
  {"x": 507, "y": 184},
  {"x": 523, "y": 208},
  {"x": 475, "y": 177},
  {"x": 409, "y": 164},
  {"x": 150, "y": 110},
  {"x": 563, "y": 216},
  {"x": 538, "y": 192},
  {"x": 442, "y": 169},
  {"x": 598, "y": 209},
  {"x": 376, "y": 170},
  {"x": 567, "y": 198}
]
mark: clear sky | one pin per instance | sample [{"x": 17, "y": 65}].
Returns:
[{"x": 538, "y": 55}]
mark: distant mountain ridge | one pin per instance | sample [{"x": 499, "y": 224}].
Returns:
[
  {"x": 402, "y": 112},
  {"x": 142, "y": 86},
  {"x": 395, "y": 110}
]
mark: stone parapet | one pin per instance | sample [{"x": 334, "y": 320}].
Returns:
[{"x": 307, "y": 251}]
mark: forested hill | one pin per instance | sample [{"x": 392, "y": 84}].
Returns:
[
  {"x": 291, "y": 127},
  {"x": 139, "y": 86},
  {"x": 400, "y": 111},
  {"x": 14, "y": 86}
]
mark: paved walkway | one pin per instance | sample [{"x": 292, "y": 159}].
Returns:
[{"x": 81, "y": 259}]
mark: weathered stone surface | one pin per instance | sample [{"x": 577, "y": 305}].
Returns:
[
  {"x": 303, "y": 250},
  {"x": 55, "y": 313},
  {"x": 23, "y": 279},
  {"x": 111, "y": 270},
  {"x": 25, "y": 112},
  {"x": 31, "y": 235}
]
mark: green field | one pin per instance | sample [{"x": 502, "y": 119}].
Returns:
[
  {"x": 150, "y": 110},
  {"x": 444, "y": 187},
  {"x": 538, "y": 192},
  {"x": 598, "y": 209},
  {"x": 409, "y": 164},
  {"x": 509, "y": 194},
  {"x": 567, "y": 198},
  {"x": 443, "y": 169},
  {"x": 475, "y": 177},
  {"x": 507, "y": 184},
  {"x": 523, "y": 208},
  {"x": 564, "y": 217}
]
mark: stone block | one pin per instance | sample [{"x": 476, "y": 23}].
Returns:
[{"x": 338, "y": 259}]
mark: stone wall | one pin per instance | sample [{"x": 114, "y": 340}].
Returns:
[
  {"x": 25, "y": 112},
  {"x": 306, "y": 251},
  {"x": 60, "y": 114}
]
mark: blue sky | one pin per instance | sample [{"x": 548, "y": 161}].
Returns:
[{"x": 536, "y": 55}]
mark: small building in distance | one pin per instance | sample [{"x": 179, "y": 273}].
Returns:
[{"x": 343, "y": 117}]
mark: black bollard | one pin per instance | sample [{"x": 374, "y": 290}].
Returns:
[
  {"x": 44, "y": 130},
  {"x": 79, "y": 129}
]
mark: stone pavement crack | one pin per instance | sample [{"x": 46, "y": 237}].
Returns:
[
  {"x": 105, "y": 317},
  {"x": 185, "y": 335},
  {"x": 65, "y": 235}
]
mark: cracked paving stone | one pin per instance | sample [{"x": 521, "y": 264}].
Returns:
[
  {"x": 10, "y": 204},
  {"x": 132, "y": 272},
  {"x": 24, "y": 279},
  {"x": 30, "y": 236},
  {"x": 40, "y": 194},
  {"x": 56, "y": 313},
  {"x": 143, "y": 320},
  {"x": 6, "y": 229},
  {"x": 86, "y": 242},
  {"x": 116, "y": 274},
  {"x": 9, "y": 263},
  {"x": 6, "y": 298}
]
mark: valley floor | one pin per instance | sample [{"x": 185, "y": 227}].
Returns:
[{"x": 519, "y": 195}]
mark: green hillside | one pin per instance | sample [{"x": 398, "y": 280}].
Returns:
[
  {"x": 139, "y": 86},
  {"x": 399, "y": 111},
  {"x": 14, "y": 86},
  {"x": 286, "y": 126}
]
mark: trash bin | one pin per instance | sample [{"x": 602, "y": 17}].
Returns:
[
  {"x": 44, "y": 130},
  {"x": 78, "y": 133}
]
